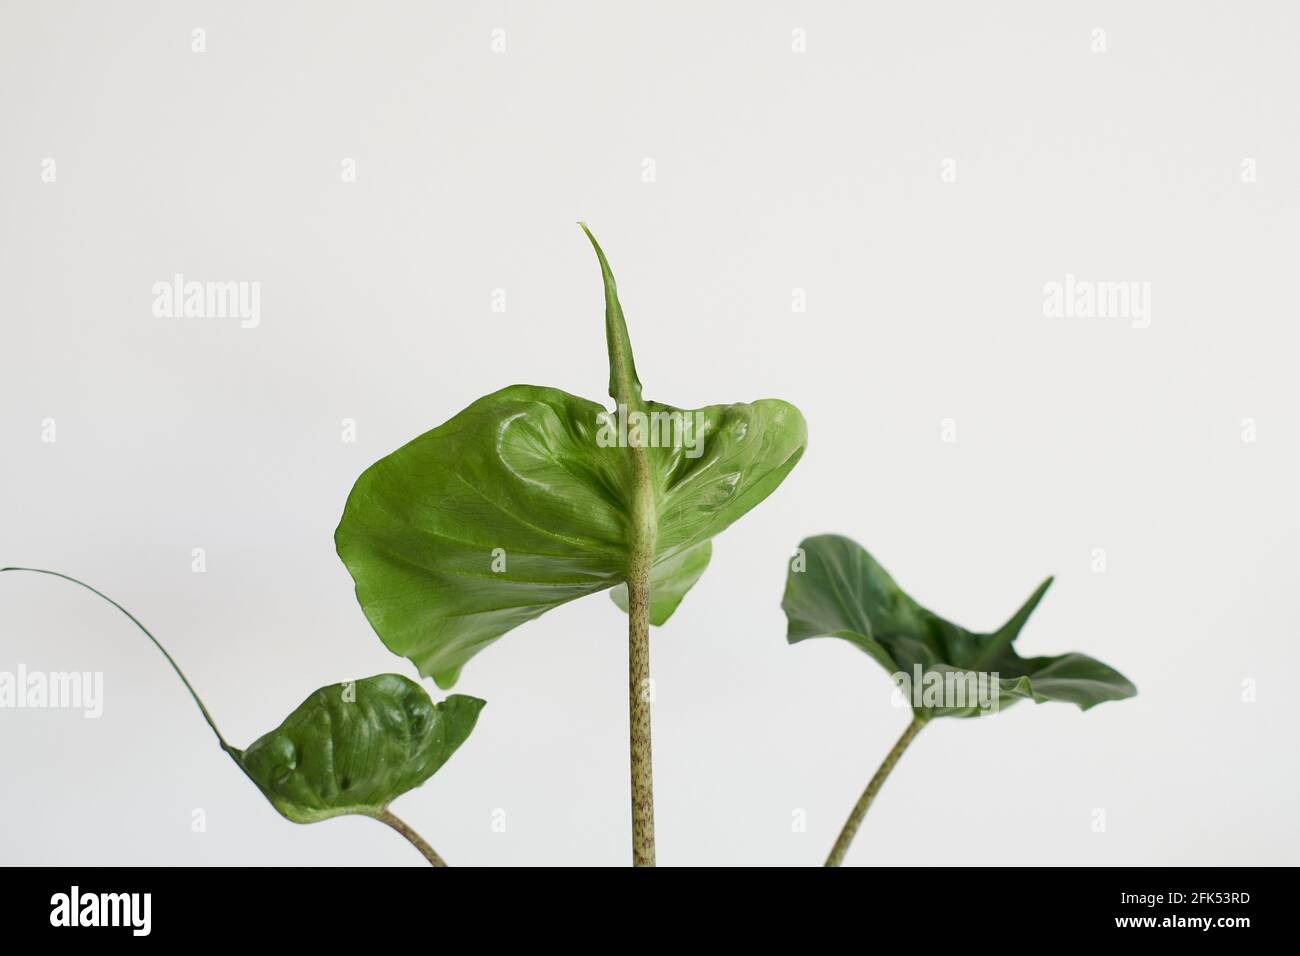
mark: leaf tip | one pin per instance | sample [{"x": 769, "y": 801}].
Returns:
[
  {"x": 582, "y": 224},
  {"x": 473, "y": 705},
  {"x": 446, "y": 679}
]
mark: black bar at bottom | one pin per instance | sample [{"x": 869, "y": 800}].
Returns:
[{"x": 970, "y": 906}]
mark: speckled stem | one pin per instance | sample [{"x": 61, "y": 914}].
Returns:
[
  {"x": 625, "y": 389},
  {"x": 417, "y": 841},
  {"x": 864, "y": 802},
  {"x": 643, "y": 807}
]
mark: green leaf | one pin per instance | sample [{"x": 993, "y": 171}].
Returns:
[
  {"x": 348, "y": 748},
  {"x": 842, "y": 592},
  {"x": 532, "y": 497},
  {"x": 354, "y": 747}
]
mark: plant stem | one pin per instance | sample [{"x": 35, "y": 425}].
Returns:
[
  {"x": 864, "y": 802},
  {"x": 232, "y": 751},
  {"x": 638, "y": 640},
  {"x": 417, "y": 841},
  {"x": 625, "y": 389},
  {"x": 235, "y": 754}
]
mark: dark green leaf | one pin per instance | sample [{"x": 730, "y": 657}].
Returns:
[
  {"x": 525, "y": 500},
  {"x": 348, "y": 748},
  {"x": 842, "y": 592},
  {"x": 354, "y": 747}
]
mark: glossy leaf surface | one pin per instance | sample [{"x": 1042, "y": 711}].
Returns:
[
  {"x": 354, "y": 747},
  {"x": 348, "y": 748},
  {"x": 524, "y": 501}
]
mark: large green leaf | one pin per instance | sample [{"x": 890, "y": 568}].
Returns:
[
  {"x": 354, "y": 747},
  {"x": 838, "y": 590},
  {"x": 531, "y": 497}
]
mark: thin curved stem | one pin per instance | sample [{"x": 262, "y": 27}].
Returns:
[
  {"x": 417, "y": 841},
  {"x": 232, "y": 751},
  {"x": 384, "y": 816},
  {"x": 864, "y": 802}
]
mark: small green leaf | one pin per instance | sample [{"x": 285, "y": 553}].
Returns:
[
  {"x": 532, "y": 497},
  {"x": 842, "y": 592},
  {"x": 355, "y": 747},
  {"x": 348, "y": 748}
]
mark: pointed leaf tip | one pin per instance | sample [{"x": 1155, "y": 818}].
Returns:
[
  {"x": 1017, "y": 621},
  {"x": 624, "y": 385}
]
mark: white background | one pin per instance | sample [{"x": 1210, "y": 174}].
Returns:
[{"x": 774, "y": 171}]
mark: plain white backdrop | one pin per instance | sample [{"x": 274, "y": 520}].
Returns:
[{"x": 725, "y": 160}]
